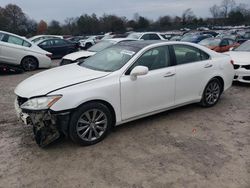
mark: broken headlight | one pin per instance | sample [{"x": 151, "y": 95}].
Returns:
[{"x": 40, "y": 103}]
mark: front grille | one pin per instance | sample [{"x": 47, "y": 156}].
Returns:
[
  {"x": 21, "y": 100},
  {"x": 246, "y": 67},
  {"x": 246, "y": 78},
  {"x": 236, "y": 66},
  {"x": 66, "y": 62}
]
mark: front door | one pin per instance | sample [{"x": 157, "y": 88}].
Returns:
[{"x": 151, "y": 92}]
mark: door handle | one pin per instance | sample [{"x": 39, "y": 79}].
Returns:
[
  {"x": 208, "y": 65},
  {"x": 169, "y": 74}
]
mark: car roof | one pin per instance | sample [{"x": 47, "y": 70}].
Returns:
[
  {"x": 120, "y": 39},
  {"x": 40, "y": 41},
  {"x": 139, "y": 44}
]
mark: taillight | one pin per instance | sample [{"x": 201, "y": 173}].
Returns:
[
  {"x": 49, "y": 55},
  {"x": 232, "y": 62}
]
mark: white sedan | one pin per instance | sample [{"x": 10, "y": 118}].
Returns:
[
  {"x": 122, "y": 83},
  {"x": 241, "y": 58},
  {"x": 16, "y": 50}
]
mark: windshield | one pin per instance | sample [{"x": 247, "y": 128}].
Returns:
[
  {"x": 210, "y": 42},
  {"x": 110, "y": 59},
  {"x": 100, "y": 46},
  {"x": 134, "y": 36},
  {"x": 245, "y": 47}
]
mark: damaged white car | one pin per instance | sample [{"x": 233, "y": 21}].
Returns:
[{"x": 122, "y": 83}]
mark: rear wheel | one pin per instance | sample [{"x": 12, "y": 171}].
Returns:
[
  {"x": 212, "y": 93},
  {"x": 29, "y": 64},
  {"x": 90, "y": 124}
]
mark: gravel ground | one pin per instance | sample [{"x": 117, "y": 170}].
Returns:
[{"x": 186, "y": 147}]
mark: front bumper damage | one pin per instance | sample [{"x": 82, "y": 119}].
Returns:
[{"x": 48, "y": 125}]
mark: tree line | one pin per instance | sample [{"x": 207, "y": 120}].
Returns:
[{"x": 14, "y": 20}]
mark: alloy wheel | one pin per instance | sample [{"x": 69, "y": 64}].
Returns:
[
  {"x": 91, "y": 125},
  {"x": 212, "y": 93}
]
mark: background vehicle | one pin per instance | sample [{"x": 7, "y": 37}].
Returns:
[
  {"x": 42, "y": 37},
  {"x": 16, "y": 50},
  {"x": 145, "y": 36},
  {"x": 241, "y": 58},
  {"x": 82, "y": 55},
  {"x": 115, "y": 86},
  {"x": 195, "y": 38},
  {"x": 58, "y": 47},
  {"x": 219, "y": 45},
  {"x": 176, "y": 38},
  {"x": 87, "y": 42}
]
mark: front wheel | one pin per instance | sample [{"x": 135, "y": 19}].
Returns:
[
  {"x": 211, "y": 94},
  {"x": 90, "y": 124}
]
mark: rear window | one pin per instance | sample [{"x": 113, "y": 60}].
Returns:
[
  {"x": 188, "y": 54},
  {"x": 15, "y": 40}
]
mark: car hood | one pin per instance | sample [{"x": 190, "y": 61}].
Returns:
[
  {"x": 56, "y": 78},
  {"x": 76, "y": 55},
  {"x": 240, "y": 58}
]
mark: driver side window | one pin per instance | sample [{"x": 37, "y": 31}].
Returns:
[{"x": 155, "y": 58}]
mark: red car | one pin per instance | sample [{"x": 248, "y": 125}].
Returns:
[{"x": 219, "y": 45}]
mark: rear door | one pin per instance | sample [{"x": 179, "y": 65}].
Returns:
[
  {"x": 193, "y": 69},
  {"x": 62, "y": 47}
]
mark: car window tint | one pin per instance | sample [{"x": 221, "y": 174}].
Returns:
[
  {"x": 154, "y": 37},
  {"x": 47, "y": 43},
  {"x": 1, "y": 36},
  {"x": 145, "y": 37},
  {"x": 155, "y": 58},
  {"x": 59, "y": 42},
  {"x": 188, "y": 54},
  {"x": 15, "y": 40},
  {"x": 224, "y": 42}
]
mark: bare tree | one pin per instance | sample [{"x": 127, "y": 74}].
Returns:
[
  {"x": 227, "y": 6},
  {"x": 188, "y": 16},
  {"x": 215, "y": 11}
]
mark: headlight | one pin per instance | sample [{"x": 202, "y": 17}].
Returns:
[{"x": 40, "y": 103}]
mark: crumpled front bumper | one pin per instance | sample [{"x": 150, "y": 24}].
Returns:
[{"x": 47, "y": 124}]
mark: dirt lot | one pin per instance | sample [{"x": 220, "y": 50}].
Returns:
[{"x": 187, "y": 147}]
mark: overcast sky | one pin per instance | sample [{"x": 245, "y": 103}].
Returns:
[{"x": 61, "y": 9}]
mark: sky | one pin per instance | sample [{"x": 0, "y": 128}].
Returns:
[{"x": 61, "y": 9}]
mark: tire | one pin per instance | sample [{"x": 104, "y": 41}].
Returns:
[
  {"x": 83, "y": 128},
  {"x": 29, "y": 64},
  {"x": 211, "y": 93}
]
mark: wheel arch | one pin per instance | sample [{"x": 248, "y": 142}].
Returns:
[
  {"x": 221, "y": 80},
  {"x": 109, "y": 106}
]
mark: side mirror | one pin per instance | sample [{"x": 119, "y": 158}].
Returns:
[{"x": 138, "y": 71}]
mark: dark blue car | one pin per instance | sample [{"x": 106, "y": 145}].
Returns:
[
  {"x": 195, "y": 38},
  {"x": 58, "y": 47}
]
